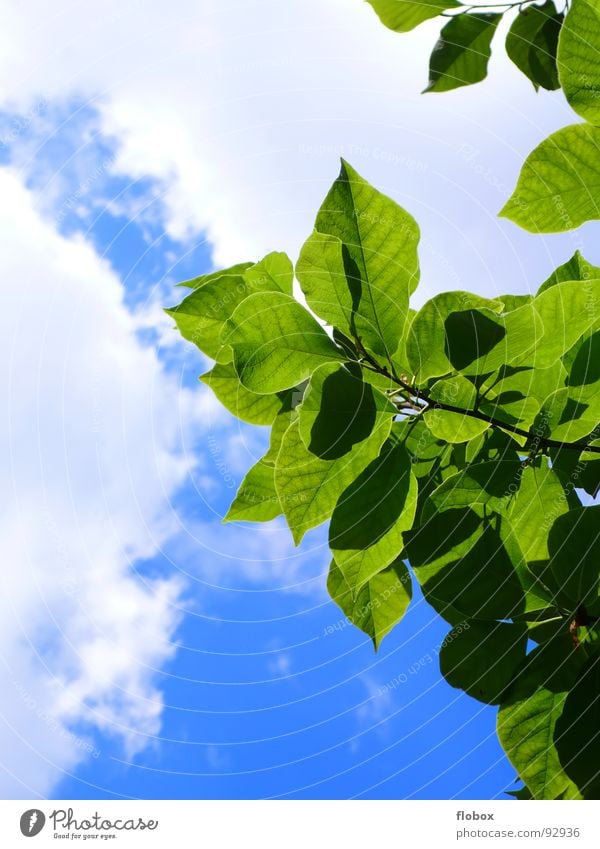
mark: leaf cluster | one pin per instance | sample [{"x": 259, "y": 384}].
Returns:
[
  {"x": 447, "y": 445},
  {"x": 559, "y": 185}
]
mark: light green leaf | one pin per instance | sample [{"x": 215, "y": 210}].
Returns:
[
  {"x": 366, "y": 528},
  {"x": 512, "y": 302},
  {"x": 360, "y": 265},
  {"x": 426, "y": 355},
  {"x": 380, "y": 603},
  {"x": 276, "y": 343},
  {"x": 454, "y": 427},
  {"x": 578, "y": 51},
  {"x": 404, "y": 15},
  {"x": 273, "y": 273},
  {"x": 235, "y": 270},
  {"x": 532, "y": 42},
  {"x": 567, "y": 311},
  {"x": 576, "y": 268},
  {"x": 481, "y": 658},
  {"x": 256, "y": 499},
  {"x": 461, "y": 55},
  {"x": 540, "y": 499},
  {"x": 511, "y": 385},
  {"x": 309, "y": 487},
  {"x": 201, "y": 316},
  {"x": 339, "y": 410},
  {"x": 246, "y": 405},
  {"x": 563, "y": 419},
  {"x": 528, "y": 715},
  {"x": 559, "y": 185}
]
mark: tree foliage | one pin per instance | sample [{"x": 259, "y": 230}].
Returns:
[
  {"x": 555, "y": 47},
  {"x": 454, "y": 441}
]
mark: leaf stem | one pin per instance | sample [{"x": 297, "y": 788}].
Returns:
[{"x": 372, "y": 364}]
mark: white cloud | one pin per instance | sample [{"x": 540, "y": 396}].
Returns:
[
  {"x": 92, "y": 430},
  {"x": 242, "y": 109}
]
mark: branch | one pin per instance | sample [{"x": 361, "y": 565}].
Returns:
[{"x": 414, "y": 391}]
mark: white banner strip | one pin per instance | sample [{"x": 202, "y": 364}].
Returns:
[{"x": 300, "y": 824}]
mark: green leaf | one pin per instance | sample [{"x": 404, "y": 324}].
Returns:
[
  {"x": 276, "y": 343},
  {"x": 273, "y": 273},
  {"x": 574, "y": 544},
  {"x": 578, "y": 51},
  {"x": 426, "y": 356},
  {"x": 528, "y": 715},
  {"x": 523, "y": 793},
  {"x": 577, "y": 731},
  {"x": 584, "y": 374},
  {"x": 246, "y": 405},
  {"x": 462, "y": 52},
  {"x": 492, "y": 485},
  {"x": 563, "y": 419},
  {"x": 512, "y": 302},
  {"x": 449, "y": 426},
  {"x": 201, "y": 316},
  {"x": 379, "y": 604},
  {"x": 567, "y": 311},
  {"x": 479, "y": 342},
  {"x": 576, "y": 268},
  {"x": 511, "y": 385},
  {"x": 256, "y": 499},
  {"x": 309, "y": 487},
  {"x": 366, "y": 528},
  {"x": 580, "y": 470},
  {"x": 540, "y": 499},
  {"x": 404, "y": 15},
  {"x": 559, "y": 185},
  {"x": 532, "y": 42},
  {"x": 340, "y": 410},
  {"x": 360, "y": 265},
  {"x": 481, "y": 658},
  {"x": 234, "y": 270},
  {"x": 464, "y": 568}
]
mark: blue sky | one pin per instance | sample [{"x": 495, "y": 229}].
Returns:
[{"x": 150, "y": 651}]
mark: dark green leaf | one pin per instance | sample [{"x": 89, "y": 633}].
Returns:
[
  {"x": 481, "y": 658},
  {"x": 532, "y": 42},
  {"x": 528, "y": 715},
  {"x": 366, "y": 528},
  {"x": 574, "y": 545},
  {"x": 461, "y": 55},
  {"x": 426, "y": 356},
  {"x": 340, "y": 410},
  {"x": 578, "y": 51},
  {"x": 463, "y": 567},
  {"x": 577, "y": 731},
  {"x": 309, "y": 487}
]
